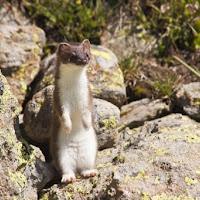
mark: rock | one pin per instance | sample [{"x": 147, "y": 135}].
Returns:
[
  {"x": 22, "y": 172},
  {"x": 106, "y": 119},
  {"x": 20, "y": 51},
  {"x": 38, "y": 113},
  {"x": 137, "y": 112},
  {"x": 188, "y": 98},
  {"x": 106, "y": 77},
  {"x": 127, "y": 39},
  {"x": 11, "y": 14},
  {"x": 164, "y": 164},
  {"x": 104, "y": 74}
]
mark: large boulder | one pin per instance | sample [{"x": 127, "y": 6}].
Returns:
[
  {"x": 106, "y": 120},
  {"x": 20, "y": 51},
  {"x": 136, "y": 113},
  {"x": 23, "y": 171},
  {"x": 38, "y": 115},
  {"x": 155, "y": 163},
  {"x": 105, "y": 76},
  {"x": 188, "y": 98}
]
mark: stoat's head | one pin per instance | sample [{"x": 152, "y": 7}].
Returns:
[{"x": 75, "y": 53}]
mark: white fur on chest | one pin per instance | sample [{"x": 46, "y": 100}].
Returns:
[{"x": 73, "y": 87}]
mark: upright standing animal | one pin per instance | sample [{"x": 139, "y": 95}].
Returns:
[{"x": 73, "y": 143}]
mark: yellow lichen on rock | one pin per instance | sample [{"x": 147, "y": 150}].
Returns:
[
  {"x": 156, "y": 182},
  {"x": 164, "y": 196},
  {"x": 18, "y": 178},
  {"x": 48, "y": 80},
  {"x": 140, "y": 175},
  {"x": 190, "y": 181},
  {"x": 35, "y": 37},
  {"x": 191, "y": 138},
  {"x": 103, "y": 54},
  {"x": 95, "y": 90},
  {"x": 161, "y": 151},
  {"x": 112, "y": 80},
  {"x": 145, "y": 196},
  {"x": 110, "y": 122},
  {"x": 7, "y": 96},
  {"x": 26, "y": 154}
]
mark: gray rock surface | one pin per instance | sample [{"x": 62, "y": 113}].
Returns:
[
  {"x": 22, "y": 171},
  {"x": 127, "y": 39},
  {"x": 38, "y": 114},
  {"x": 137, "y": 112},
  {"x": 21, "y": 48},
  {"x": 188, "y": 98},
  {"x": 10, "y": 13},
  {"x": 160, "y": 161},
  {"x": 106, "y": 120}
]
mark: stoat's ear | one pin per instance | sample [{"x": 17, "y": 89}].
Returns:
[
  {"x": 64, "y": 46},
  {"x": 86, "y": 44}
]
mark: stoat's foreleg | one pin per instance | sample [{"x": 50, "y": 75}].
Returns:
[
  {"x": 66, "y": 120},
  {"x": 87, "y": 119}
]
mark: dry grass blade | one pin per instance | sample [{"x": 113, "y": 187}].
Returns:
[{"x": 187, "y": 66}]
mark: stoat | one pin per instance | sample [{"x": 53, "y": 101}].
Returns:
[{"x": 73, "y": 143}]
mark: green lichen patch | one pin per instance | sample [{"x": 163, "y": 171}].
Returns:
[
  {"x": 35, "y": 37},
  {"x": 141, "y": 175},
  {"x": 110, "y": 122},
  {"x": 48, "y": 196},
  {"x": 112, "y": 79},
  {"x": 103, "y": 54},
  {"x": 26, "y": 154},
  {"x": 190, "y": 181},
  {"x": 7, "y": 99},
  {"x": 47, "y": 80},
  {"x": 157, "y": 180},
  {"x": 161, "y": 151},
  {"x": 21, "y": 74},
  {"x": 145, "y": 196},
  {"x": 40, "y": 101},
  {"x": 191, "y": 138},
  {"x": 18, "y": 178},
  {"x": 164, "y": 196},
  {"x": 95, "y": 90}
]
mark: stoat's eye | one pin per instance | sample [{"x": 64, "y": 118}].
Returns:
[
  {"x": 73, "y": 57},
  {"x": 87, "y": 55}
]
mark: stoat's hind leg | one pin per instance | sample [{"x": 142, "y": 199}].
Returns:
[
  {"x": 89, "y": 173},
  {"x": 87, "y": 155},
  {"x": 68, "y": 177},
  {"x": 67, "y": 159}
]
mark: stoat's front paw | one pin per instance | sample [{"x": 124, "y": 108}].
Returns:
[
  {"x": 67, "y": 178},
  {"x": 89, "y": 173},
  {"x": 67, "y": 126}
]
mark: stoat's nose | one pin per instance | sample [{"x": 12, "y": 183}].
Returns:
[
  {"x": 81, "y": 62},
  {"x": 84, "y": 61}
]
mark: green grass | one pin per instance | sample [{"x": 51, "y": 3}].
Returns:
[
  {"x": 164, "y": 85},
  {"x": 74, "y": 19},
  {"x": 175, "y": 23}
]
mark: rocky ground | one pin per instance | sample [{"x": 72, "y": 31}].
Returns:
[{"x": 147, "y": 150}]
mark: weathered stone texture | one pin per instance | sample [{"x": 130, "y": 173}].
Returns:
[{"x": 20, "y": 51}]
